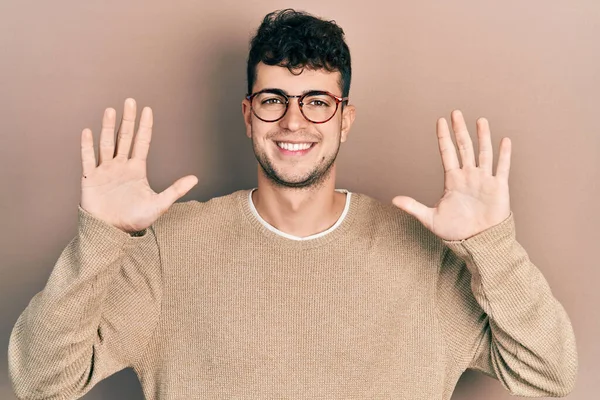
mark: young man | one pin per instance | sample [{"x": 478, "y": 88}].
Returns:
[{"x": 293, "y": 290}]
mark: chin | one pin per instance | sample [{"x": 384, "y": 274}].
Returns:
[
  {"x": 310, "y": 178},
  {"x": 314, "y": 179}
]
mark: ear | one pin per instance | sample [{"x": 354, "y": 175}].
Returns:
[
  {"x": 347, "y": 120},
  {"x": 247, "y": 113}
]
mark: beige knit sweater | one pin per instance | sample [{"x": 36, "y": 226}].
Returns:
[{"x": 210, "y": 304}]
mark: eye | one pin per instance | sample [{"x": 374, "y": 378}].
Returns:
[
  {"x": 319, "y": 103},
  {"x": 272, "y": 100},
  {"x": 318, "y": 100}
]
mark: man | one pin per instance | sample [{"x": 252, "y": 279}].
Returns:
[{"x": 293, "y": 290}]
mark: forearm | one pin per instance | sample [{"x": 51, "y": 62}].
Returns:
[
  {"x": 51, "y": 345},
  {"x": 528, "y": 341},
  {"x": 56, "y": 348}
]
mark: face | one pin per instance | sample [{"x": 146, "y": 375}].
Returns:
[{"x": 294, "y": 152}]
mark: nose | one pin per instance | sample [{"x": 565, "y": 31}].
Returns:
[{"x": 293, "y": 119}]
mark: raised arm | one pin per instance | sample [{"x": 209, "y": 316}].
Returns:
[
  {"x": 499, "y": 315},
  {"x": 101, "y": 303},
  {"x": 488, "y": 287},
  {"x": 93, "y": 318}
]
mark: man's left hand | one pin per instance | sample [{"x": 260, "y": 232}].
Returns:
[{"x": 474, "y": 199}]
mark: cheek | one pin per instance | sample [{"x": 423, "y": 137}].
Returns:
[
  {"x": 331, "y": 132},
  {"x": 261, "y": 131}
]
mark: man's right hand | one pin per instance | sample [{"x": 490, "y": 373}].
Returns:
[{"x": 116, "y": 189}]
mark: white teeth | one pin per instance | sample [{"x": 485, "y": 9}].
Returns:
[{"x": 294, "y": 146}]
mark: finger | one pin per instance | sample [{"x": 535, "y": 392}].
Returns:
[
  {"x": 88, "y": 158},
  {"x": 143, "y": 137},
  {"x": 107, "y": 136},
  {"x": 463, "y": 139},
  {"x": 503, "y": 167},
  {"x": 419, "y": 211},
  {"x": 446, "y": 146},
  {"x": 486, "y": 152},
  {"x": 177, "y": 190},
  {"x": 125, "y": 134}
]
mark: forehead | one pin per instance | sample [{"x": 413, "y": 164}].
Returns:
[{"x": 273, "y": 76}]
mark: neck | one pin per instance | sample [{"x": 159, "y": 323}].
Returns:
[{"x": 300, "y": 212}]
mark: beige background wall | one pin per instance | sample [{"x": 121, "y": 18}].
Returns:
[{"x": 532, "y": 68}]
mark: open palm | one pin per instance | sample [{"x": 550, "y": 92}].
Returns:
[
  {"x": 474, "y": 199},
  {"x": 117, "y": 190}
]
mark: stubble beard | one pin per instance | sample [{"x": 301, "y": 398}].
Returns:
[{"x": 312, "y": 181}]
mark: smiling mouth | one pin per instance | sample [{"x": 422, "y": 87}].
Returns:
[{"x": 295, "y": 148}]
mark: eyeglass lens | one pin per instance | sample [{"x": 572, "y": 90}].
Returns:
[{"x": 315, "y": 107}]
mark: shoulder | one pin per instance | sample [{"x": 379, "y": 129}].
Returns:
[
  {"x": 191, "y": 213},
  {"x": 383, "y": 217},
  {"x": 384, "y": 220}
]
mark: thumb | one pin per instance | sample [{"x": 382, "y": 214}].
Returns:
[
  {"x": 178, "y": 189},
  {"x": 414, "y": 208}
]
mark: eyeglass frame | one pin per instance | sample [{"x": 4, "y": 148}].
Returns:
[{"x": 300, "y": 97}]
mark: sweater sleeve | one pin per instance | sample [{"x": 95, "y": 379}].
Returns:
[
  {"x": 500, "y": 317},
  {"x": 94, "y": 316}
]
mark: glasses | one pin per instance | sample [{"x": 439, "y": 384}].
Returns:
[{"x": 317, "y": 106}]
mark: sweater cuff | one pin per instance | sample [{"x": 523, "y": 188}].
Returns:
[
  {"x": 490, "y": 241},
  {"x": 92, "y": 227}
]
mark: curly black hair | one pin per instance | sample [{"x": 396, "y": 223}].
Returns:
[{"x": 298, "y": 40}]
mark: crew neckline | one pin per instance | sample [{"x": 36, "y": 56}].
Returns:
[
  {"x": 298, "y": 238},
  {"x": 275, "y": 236}
]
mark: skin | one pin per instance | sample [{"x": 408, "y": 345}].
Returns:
[
  {"x": 474, "y": 199},
  {"x": 299, "y": 211},
  {"x": 115, "y": 187}
]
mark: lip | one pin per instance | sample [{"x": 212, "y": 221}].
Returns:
[{"x": 294, "y": 141}]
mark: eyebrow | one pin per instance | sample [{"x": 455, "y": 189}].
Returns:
[{"x": 287, "y": 94}]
